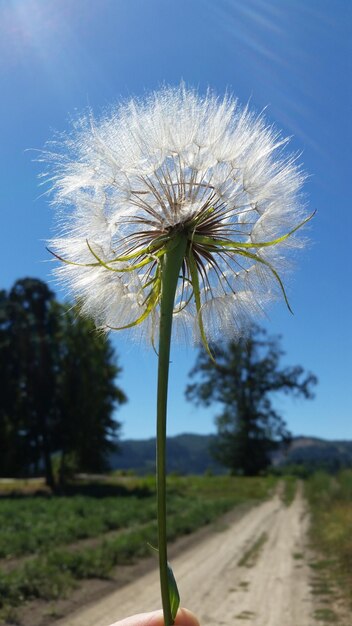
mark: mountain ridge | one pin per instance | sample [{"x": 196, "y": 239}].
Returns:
[{"x": 190, "y": 453}]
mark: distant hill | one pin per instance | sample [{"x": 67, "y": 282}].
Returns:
[
  {"x": 186, "y": 454},
  {"x": 316, "y": 453},
  {"x": 190, "y": 454}
]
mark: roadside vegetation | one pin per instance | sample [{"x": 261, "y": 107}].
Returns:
[
  {"x": 289, "y": 488},
  {"x": 330, "y": 499},
  {"x": 40, "y": 535}
]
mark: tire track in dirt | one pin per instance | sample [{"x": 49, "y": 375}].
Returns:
[{"x": 270, "y": 588}]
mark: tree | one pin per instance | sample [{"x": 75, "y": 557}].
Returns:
[
  {"x": 29, "y": 330},
  {"x": 11, "y": 452},
  {"x": 87, "y": 394},
  {"x": 58, "y": 376},
  {"x": 246, "y": 375}
]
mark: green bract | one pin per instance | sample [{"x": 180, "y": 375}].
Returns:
[{"x": 197, "y": 249}]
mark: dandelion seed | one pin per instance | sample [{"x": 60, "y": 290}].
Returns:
[{"x": 176, "y": 165}]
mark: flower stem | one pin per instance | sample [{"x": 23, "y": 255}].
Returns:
[{"x": 169, "y": 277}]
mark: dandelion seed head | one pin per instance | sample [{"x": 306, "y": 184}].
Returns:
[{"x": 125, "y": 185}]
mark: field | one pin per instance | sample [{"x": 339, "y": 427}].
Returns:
[
  {"x": 101, "y": 530},
  {"x": 49, "y": 543},
  {"x": 330, "y": 499},
  {"x": 251, "y": 566}
]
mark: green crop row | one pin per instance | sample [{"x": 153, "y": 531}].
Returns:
[
  {"x": 51, "y": 575},
  {"x": 193, "y": 502},
  {"x": 34, "y": 524},
  {"x": 30, "y": 525},
  {"x": 330, "y": 499}
]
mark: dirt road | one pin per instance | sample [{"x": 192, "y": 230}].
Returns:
[{"x": 252, "y": 570}]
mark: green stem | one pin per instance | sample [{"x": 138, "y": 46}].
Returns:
[{"x": 172, "y": 262}]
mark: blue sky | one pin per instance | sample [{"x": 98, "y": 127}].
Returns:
[{"x": 292, "y": 57}]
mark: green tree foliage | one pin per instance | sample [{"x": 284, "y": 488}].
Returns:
[
  {"x": 28, "y": 331},
  {"x": 58, "y": 380},
  {"x": 11, "y": 451},
  {"x": 246, "y": 375},
  {"x": 87, "y": 393}
]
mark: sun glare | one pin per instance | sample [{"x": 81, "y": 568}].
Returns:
[
  {"x": 32, "y": 30},
  {"x": 272, "y": 51}
]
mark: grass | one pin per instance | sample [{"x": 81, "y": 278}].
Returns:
[
  {"x": 245, "y": 615},
  {"x": 32, "y": 525},
  {"x": 251, "y": 556},
  {"x": 43, "y": 526},
  {"x": 326, "y": 615},
  {"x": 330, "y": 499},
  {"x": 289, "y": 489},
  {"x": 244, "y": 584}
]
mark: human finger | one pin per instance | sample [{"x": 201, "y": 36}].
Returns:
[{"x": 183, "y": 618}]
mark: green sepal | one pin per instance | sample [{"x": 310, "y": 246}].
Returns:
[
  {"x": 159, "y": 252},
  {"x": 100, "y": 261},
  {"x": 151, "y": 301},
  {"x": 129, "y": 268},
  {"x": 226, "y": 243},
  {"x": 149, "y": 250},
  {"x": 257, "y": 258},
  {"x": 181, "y": 308},
  {"x": 196, "y": 290},
  {"x": 173, "y": 592},
  {"x": 60, "y": 258}
]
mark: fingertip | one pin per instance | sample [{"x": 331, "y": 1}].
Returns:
[
  {"x": 155, "y": 618},
  {"x": 185, "y": 617}
]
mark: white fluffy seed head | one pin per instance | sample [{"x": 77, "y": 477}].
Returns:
[{"x": 148, "y": 167}]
